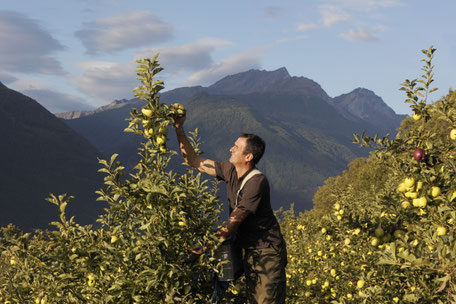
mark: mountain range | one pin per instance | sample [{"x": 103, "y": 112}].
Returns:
[
  {"x": 308, "y": 133},
  {"x": 308, "y": 139},
  {"x": 41, "y": 155}
]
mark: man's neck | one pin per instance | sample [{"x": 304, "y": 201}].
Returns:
[{"x": 242, "y": 169}]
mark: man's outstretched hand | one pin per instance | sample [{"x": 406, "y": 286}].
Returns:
[{"x": 179, "y": 121}]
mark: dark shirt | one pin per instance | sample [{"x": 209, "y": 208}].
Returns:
[{"x": 260, "y": 228}]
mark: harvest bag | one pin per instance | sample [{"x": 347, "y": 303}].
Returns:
[{"x": 228, "y": 252}]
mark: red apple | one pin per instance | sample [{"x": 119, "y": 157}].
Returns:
[{"x": 419, "y": 154}]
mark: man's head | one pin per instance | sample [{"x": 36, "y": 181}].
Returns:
[{"x": 247, "y": 148}]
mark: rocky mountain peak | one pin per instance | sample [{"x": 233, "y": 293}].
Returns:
[
  {"x": 249, "y": 81},
  {"x": 364, "y": 104}
]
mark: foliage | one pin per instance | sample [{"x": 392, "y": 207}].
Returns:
[
  {"x": 384, "y": 231},
  {"x": 139, "y": 253}
]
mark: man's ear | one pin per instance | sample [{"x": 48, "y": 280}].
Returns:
[{"x": 249, "y": 157}]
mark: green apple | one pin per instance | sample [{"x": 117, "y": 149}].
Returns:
[
  {"x": 163, "y": 130},
  {"x": 379, "y": 232},
  {"x": 398, "y": 234}
]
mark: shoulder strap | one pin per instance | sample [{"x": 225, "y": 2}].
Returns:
[{"x": 249, "y": 176}]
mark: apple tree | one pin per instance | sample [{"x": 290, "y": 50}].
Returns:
[
  {"x": 386, "y": 235},
  {"x": 140, "y": 249}
]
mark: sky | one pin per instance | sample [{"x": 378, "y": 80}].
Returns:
[{"x": 81, "y": 54}]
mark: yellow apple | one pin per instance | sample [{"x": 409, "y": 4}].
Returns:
[
  {"x": 360, "y": 284},
  {"x": 375, "y": 241},
  {"x": 114, "y": 239},
  {"x": 337, "y": 206},
  {"x": 401, "y": 187},
  {"x": 146, "y": 112},
  {"x": 416, "y": 116},
  {"x": 422, "y": 202},
  {"x": 91, "y": 280},
  {"x": 145, "y": 123},
  {"x": 405, "y": 204},
  {"x": 435, "y": 191},
  {"x": 410, "y": 194},
  {"x": 419, "y": 185},
  {"x": 453, "y": 196},
  {"x": 441, "y": 230},
  {"x": 453, "y": 134},
  {"x": 409, "y": 182},
  {"x": 161, "y": 139}
]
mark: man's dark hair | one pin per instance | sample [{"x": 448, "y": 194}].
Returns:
[{"x": 255, "y": 145}]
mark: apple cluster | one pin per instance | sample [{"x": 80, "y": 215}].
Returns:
[{"x": 155, "y": 123}]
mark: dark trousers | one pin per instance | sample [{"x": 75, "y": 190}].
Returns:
[{"x": 265, "y": 274}]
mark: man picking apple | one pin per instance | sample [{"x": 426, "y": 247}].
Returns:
[{"x": 251, "y": 221}]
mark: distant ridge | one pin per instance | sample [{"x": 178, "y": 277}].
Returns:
[{"x": 77, "y": 114}]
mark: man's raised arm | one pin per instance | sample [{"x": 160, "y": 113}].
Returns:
[{"x": 191, "y": 158}]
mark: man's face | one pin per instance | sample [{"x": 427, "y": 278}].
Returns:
[{"x": 237, "y": 151}]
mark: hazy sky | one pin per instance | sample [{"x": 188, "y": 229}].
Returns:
[{"x": 80, "y": 54}]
